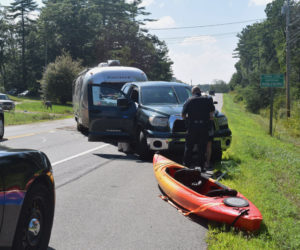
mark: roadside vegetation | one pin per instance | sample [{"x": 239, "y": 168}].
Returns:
[
  {"x": 267, "y": 171},
  {"x": 31, "y": 110},
  {"x": 262, "y": 50}
]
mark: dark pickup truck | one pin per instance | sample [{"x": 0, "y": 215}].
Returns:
[{"x": 147, "y": 116}]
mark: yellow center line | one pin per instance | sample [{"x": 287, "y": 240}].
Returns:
[{"x": 27, "y": 135}]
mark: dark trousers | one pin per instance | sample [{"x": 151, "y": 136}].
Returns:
[{"x": 197, "y": 135}]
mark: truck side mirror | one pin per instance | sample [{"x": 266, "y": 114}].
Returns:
[{"x": 122, "y": 102}]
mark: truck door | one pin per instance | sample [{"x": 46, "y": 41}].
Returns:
[{"x": 111, "y": 114}]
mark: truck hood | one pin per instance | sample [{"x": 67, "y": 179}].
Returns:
[{"x": 166, "y": 110}]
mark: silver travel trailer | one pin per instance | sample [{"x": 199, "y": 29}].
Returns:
[{"x": 97, "y": 90}]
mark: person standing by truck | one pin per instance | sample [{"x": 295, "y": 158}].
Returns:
[{"x": 198, "y": 111}]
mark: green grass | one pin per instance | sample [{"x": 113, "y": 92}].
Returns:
[
  {"x": 32, "y": 110},
  {"x": 15, "y": 118},
  {"x": 267, "y": 171},
  {"x": 37, "y": 106}
]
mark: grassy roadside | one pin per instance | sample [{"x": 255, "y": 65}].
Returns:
[
  {"x": 267, "y": 171},
  {"x": 30, "y": 110}
]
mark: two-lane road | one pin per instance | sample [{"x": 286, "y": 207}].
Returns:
[{"x": 105, "y": 199}]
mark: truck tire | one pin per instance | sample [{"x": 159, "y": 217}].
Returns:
[
  {"x": 79, "y": 126},
  {"x": 142, "y": 148},
  {"x": 216, "y": 154},
  {"x": 125, "y": 147}
]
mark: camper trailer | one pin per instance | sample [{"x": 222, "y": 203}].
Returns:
[{"x": 98, "y": 100}]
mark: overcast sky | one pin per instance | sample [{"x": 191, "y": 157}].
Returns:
[{"x": 201, "y": 54}]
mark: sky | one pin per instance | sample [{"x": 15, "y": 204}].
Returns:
[{"x": 200, "y": 54}]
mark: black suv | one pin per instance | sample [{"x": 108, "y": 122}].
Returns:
[{"x": 147, "y": 116}]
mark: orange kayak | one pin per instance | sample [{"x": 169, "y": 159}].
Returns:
[{"x": 205, "y": 196}]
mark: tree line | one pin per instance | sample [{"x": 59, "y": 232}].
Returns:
[
  {"x": 89, "y": 31},
  {"x": 261, "y": 49}
]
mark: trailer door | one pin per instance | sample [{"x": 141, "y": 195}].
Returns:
[{"x": 108, "y": 120}]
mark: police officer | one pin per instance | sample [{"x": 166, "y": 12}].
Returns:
[{"x": 198, "y": 111}]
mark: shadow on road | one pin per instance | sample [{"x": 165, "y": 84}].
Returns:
[
  {"x": 50, "y": 248},
  {"x": 128, "y": 157},
  {"x": 199, "y": 220}
]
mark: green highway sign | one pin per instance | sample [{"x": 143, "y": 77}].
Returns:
[{"x": 272, "y": 80}]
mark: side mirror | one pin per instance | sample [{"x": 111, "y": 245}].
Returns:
[
  {"x": 215, "y": 102},
  {"x": 122, "y": 102}
]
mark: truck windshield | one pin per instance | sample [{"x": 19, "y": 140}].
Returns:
[
  {"x": 4, "y": 97},
  {"x": 164, "y": 95}
]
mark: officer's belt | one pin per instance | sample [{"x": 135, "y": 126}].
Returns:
[{"x": 199, "y": 122}]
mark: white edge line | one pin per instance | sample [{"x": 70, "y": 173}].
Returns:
[{"x": 75, "y": 156}]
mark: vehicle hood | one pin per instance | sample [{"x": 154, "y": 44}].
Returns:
[
  {"x": 38, "y": 158},
  {"x": 6, "y": 101},
  {"x": 166, "y": 110},
  {"x": 169, "y": 110},
  {"x": 5, "y": 151}
]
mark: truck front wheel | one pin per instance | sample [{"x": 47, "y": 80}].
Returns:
[{"x": 142, "y": 148}]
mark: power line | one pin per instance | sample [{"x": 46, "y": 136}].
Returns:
[
  {"x": 195, "y": 41},
  {"x": 196, "y": 36},
  {"x": 208, "y": 25}
]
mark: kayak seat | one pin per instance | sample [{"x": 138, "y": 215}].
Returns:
[
  {"x": 189, "y": 177},
  {"x": 221, "y": 192}
]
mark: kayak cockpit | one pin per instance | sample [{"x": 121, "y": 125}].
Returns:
[{"x": 198, "y": 182}]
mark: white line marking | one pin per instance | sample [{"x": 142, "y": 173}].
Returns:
[{"x": 75, "y": 156}]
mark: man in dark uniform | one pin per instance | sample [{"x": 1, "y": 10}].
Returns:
[
  {"x": 198, "y": 111},
  {"x": 211, "y": 131}
]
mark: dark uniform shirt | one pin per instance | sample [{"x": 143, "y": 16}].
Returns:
[{"x": 198, "y": 108}]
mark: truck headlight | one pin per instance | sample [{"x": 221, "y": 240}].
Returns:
[
  {"x": 222, "y": 121},
  {"x": 158, "y": 121}
]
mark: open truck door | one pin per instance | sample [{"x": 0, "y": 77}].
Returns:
[{"x": 111, "y": 114}]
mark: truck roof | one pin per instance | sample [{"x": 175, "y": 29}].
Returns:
[{"x": 158, "y": 83}]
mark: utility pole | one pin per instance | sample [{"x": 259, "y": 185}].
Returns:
[{"x": 288, "y": 101}]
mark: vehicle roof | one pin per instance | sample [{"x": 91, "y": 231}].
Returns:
[
  {"x": 157, "y": 83},
  {"x": 115, "y": 73}
]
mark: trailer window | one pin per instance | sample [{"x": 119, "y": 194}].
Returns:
[{"x": 104, "y": 96}]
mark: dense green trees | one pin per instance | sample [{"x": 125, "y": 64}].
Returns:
[
  {"x": 20, "y": 14},
  {"x": 91, "y": 31},
  {"x": 58, "y": 78},
  {"x": 261, "y": 50}
]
